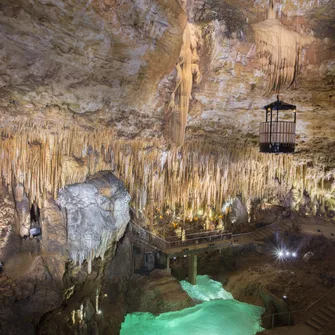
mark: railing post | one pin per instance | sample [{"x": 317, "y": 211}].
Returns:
[
  {"x": 273, "y": 320},
  {"x": 289, "y": 319}
]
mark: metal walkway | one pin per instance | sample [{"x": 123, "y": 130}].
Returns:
[{"x": 205, "y": 241}]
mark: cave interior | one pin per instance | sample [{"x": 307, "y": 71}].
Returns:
[{"x": 167, "y": 156}]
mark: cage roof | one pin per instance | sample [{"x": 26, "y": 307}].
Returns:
[{"x": 280, "y": 104}]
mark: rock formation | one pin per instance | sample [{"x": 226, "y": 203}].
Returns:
[
  {"x": 282, "y": 50},
  {"x": 97, "y": 214},
  {"x": 187, "y": 72}
]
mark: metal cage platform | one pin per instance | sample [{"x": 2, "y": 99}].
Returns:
[{"x": 277, "y": 136}]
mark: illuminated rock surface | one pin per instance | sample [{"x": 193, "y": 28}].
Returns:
[
  {"x": 218, "y": 314},
  {"x": 97, "y": 213}
]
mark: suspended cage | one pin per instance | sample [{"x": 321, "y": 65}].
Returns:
[{"x": 277, "y": 136}]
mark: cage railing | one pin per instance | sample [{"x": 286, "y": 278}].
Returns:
[{"x": 277, "y": 132}]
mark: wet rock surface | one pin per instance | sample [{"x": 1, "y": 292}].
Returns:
[{"x": 157, "y": 294}]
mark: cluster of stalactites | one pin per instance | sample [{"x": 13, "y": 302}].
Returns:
[
  {"x": 79, "y": 256},
  {"x": 280, "y": 51},
  {"x": 195, "y": 176},
  {"x": 44, "y": 161},
  {"x": 187, "y": 72}
]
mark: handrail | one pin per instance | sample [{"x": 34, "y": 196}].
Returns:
[
  {"x": 199, "y": 238},
  {"x": 320, "y": 298},
  {"x": 272, "y": 315},
  {"x": 233, "y": 235},
  {"x": 203, "y": 235},
  {"x": 202, "y": 232},
  {"x": 303, "y": 309},
  {"x": 149, "y": 237},
  {"x": 147, "y": 231}
]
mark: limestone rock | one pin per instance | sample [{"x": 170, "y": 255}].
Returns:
[
  {"x": 54, "y": 229},
  {"x": 238, "y": 215},
  {"x": 96, "y": 212},
  {"x": 162, "y": 294},
  {"x": 7, "y": 222}
]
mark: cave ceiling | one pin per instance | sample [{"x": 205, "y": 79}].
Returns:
[{"x": 112, "y": 63}]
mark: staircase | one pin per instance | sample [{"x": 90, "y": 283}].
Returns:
[
  {"x": 322, "y": 317},
  {"x": 264, "y": 232},
  {"x": 144, "y": 236}
]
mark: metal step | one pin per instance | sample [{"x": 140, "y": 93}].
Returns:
[
  {"x": 320, "y": 323},
  {"x": 263, "y": 233},
  {"x": 326, "y": 313},
  {"x": 313, "y": 324},
  {"x": 256, "y": 236},
  {"x": 331, "y": 308},
  {"x": 286, "y": 225},
  {"x": 323, "y": 317},
  {"x": 320, "y": 320}
]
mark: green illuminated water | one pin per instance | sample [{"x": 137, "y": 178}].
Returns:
[{"x": 217, "y": 314}]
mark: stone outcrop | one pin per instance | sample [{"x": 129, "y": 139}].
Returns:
[
  {"x": 157, "y": 294},
  {"x": 27, "y": 291},
  {"x": 238, "y": 216},
  {"x": 22, "y": 207},
  {"x": 7, "y": 226}
]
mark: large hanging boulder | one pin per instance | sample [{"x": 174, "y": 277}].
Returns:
[{"x": 97, "y": 213}]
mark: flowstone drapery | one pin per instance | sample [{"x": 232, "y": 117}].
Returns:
[
  {"x": 187, "y": 72},
  {"x": 97, "y": 213},
  {"x": 280, "y": 51}
]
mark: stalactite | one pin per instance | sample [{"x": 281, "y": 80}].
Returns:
[
  {"x": 280, "y": 51},
  {"x": 192, "y": 177},
  {"x": 187, "y": 72}
]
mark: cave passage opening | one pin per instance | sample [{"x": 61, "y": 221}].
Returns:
[{"x": 35, "y": 220}]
